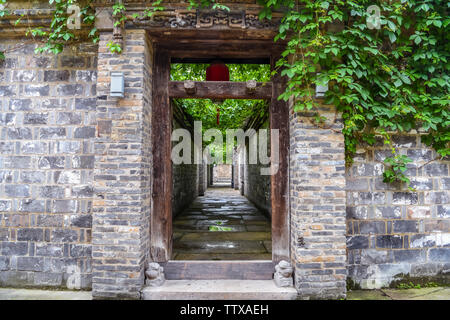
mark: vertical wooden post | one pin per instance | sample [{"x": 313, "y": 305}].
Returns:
[
  {"x": 279, "y": 119},
  {"x": 161, "y": 217}
]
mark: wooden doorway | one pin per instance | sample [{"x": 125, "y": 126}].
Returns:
[{"x": 165, "y": 52}]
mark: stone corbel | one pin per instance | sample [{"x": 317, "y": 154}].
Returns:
[
  {"x": 283, "y": 274},
  {"x": 154, "y": 275}
]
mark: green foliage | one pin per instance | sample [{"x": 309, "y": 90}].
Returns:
[
  {"x": 59, "y": 34},
  {"x": 114, "y": 47},
  {"x": 411, "y": 285},
  {"x": 391, "y": 79},
  {"x": 233, "y": 113},
  {"x": 3, "y": 12}
]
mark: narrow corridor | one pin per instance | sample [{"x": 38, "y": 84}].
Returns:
[{"x": 222, "y": 225}]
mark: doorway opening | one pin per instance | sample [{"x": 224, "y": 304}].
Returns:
[
  {"x": 166, "y": 95},
  {"x": 221, "y": 206}
]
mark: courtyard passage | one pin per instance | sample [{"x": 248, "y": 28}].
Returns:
[{"x": 222, "y": 225}]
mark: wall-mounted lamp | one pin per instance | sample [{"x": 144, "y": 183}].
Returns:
[
  {"x": 117, "y": 84},
  {"x": 320, "y": 90}
]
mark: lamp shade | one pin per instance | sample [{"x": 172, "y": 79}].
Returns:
[{"x": 217, "y": 71}]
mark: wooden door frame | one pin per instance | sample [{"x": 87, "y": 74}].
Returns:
[{"x": 161, "y": 215}]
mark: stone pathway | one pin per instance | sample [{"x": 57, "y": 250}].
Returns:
[
  {"x": 34, "y": 294},
  {"x": 435, "y": 293},
  {"x": 222, "y": 225}
]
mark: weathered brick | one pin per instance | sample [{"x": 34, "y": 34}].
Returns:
[
  {"x": 439, "y": 254},
  {"x": 87, "y": 104},
  {"x": 68, "y": 118},
  {"x": 357, "y": 242},
  {"x": 84, "y": 132},
  {"x": 52, "y": 132},
  {"x": 405, "y": 198},
  {"x": 17, "y": 190},
  {"x": 64, "y": 235},
  {"x": 36, "y": 90},
  {"x": 51, "y": 162},
  {"x": 31, "y": 205},
  {"x": 35, "y": 118},
  {"x": 30, "y": 234},
  {"x": 389, "y": 241},
  {"x": 56, "y": 75},
  {"x": 405, "y": 226},
  {"x": 30, "y": 264},
  {"x": 14, "y": 248},
  {"x": 51, "y": 192},
  {"x": 20, "y": 104},
  {"x": 64, "y": 206},
  {"x": 436, "y": 169},
  {"x": 19, "y": 133}
]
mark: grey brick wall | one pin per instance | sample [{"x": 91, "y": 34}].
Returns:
[
  {"x": 122, "y": 178},
  {"x": 47, "y": 124},
  {"x": 317, "y": 204},
  {"x": 185, "y": 178},
  {"x": 256, "y": 186},
  {"x": 393, "y": 231}
]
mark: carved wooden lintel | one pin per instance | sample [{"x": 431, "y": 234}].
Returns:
[{"x": 206, "y": 19}]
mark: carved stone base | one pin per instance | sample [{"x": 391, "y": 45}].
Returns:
[
  {"x": 283, "y": 274},
  {"x": 154, "y": 275}
]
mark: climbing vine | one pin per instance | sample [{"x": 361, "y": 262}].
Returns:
[{"x": 393, "y": 77}]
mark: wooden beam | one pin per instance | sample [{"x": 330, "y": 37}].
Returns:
[
  {"x": 221, "y": 90},
  {"x": 216, "y": 270},
  {"x": 161, "y": 216},
  {"x": 279, "y": 119}
]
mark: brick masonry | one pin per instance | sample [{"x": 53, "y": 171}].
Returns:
[
  {"x": 392, "y": 231},
  {"x": 122, "y": 177},
  {"x": 47, "y": 123},
  {"x": 253, "y": 185},
  {"x": 75, "y": 184},
  {"x": 317, "y": 204},
  {"x": 184, "y": 177}
]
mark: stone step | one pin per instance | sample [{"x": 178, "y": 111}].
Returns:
[{"x": 219, "y": 290}]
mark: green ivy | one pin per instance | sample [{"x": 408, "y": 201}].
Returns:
[{"x": 391, "y": 79}]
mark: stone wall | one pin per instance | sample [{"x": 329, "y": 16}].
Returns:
[
  {"x": 393, "y": 231},
  {"x": 48, "y": 123},
  {"x": 222, "y": 173},
  {"x": 317, "y": 205},
  {"x": 123, "y": 163},
  {"x": 185, "y": 179},
  {"x": 257, "y": 186}
]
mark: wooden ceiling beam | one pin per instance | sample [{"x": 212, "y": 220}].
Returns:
[{"x": 220, "y": 90}]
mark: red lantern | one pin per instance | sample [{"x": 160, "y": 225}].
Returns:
[{"x": 217, "y": 71}]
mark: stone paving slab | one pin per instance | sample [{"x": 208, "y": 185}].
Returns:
[
  {"x": 219, "y": 290},
  {"x": 219, "y": 247},
  {"x": 245, "y": 229},
  {"x": 33, "y": 294},
  {"x": 435, "y": 293},
  {"x": 219, "y": 236},
  {"x": 223, "y": 256}
]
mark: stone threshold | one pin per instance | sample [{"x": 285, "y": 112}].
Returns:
[{"x": 219, "y": 290}]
